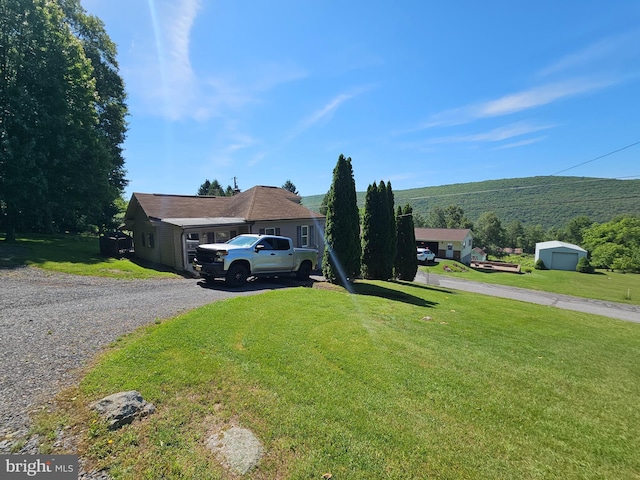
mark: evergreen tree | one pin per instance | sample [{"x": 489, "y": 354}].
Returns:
[
  {"x": 289, "y": 186},
  {"x": 406, "y": 262},
  {"x": 393, "y": 237},
  {"x": 342, "y": 230},
  {"x": 377, "y": 259}
]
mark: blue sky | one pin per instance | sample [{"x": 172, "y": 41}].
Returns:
[{"x": 420, "y": 93}]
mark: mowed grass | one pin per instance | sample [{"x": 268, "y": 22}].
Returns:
[
  {"x": 74, "y": 254},
  {"x": 397, "y": 381},
  {"x": 601, "y": 285}
]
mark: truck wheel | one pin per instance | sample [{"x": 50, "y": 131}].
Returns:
[
  {"x": 237, "y": 275},
  {"x": 304, "y": 271}
]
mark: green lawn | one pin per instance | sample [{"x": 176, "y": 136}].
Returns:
[
  {"x": 75, "y": 254},
  {"x": 602, "y": 285},
  {"x": 398, "y": 381}
]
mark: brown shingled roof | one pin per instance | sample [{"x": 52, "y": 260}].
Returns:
[
  {"x": 256, "y": 204},
  {"x": 441, "y": 234}
]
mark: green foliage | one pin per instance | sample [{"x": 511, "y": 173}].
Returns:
[
  {"x": 549, "y": 201},
  {"x": 289, "y": 186},
  {"x": 539, "y": 265},
  {"x": 406, "y": 262},
  {"x": 215, "y": 189},
  {"x": 614, "y": 244},
  {"x": 488, "y": 232},
  {"x": 62, "y": 118},
  {"x": 377, "y": 259},
  {"x": 342, "y": 230},
  {"x": 584, "y": 266}
]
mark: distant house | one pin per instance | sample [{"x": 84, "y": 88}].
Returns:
[
  {"x": 168, "y": 228},
  {"x": 478, "y": 255},
  {"x": 453, "y": 243},
  {"x": 558, "y": 255}
]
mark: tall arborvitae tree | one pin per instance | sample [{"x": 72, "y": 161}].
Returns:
[
  {"x": 393, "y": 240},
  {"x": 406, "y": 262},
  {"x": 61, "y": 118},
  {"x": 342, "y": 231},
  {"x": 377, "y": 261}
]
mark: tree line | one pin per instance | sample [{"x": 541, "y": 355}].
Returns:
[
  {"x": 378, "y": 243},
  {"x": 385, "y": 249},
  {"x": 62, "y": 119}
]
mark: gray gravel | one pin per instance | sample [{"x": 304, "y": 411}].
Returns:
[{"x": 51, "y": 324}]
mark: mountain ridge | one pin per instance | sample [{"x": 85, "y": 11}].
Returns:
[{"x": 549, "y": 201}]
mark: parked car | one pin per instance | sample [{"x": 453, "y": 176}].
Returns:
[
  {"x": 253, "y": 255},
  {"x": 425, "y": 255}
]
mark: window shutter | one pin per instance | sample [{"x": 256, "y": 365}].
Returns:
[
  {"x": 277, "y": 231},
  {"x": 261, "y": 232},
  {"x": 312, "y": 235},
  {"x": 299, "y": 236}
]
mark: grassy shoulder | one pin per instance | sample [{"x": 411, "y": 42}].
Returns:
[
  {"x": 601, "y": 285},
  {"x": 397, "y": 381},
  {"x": 75, "y": 254}
]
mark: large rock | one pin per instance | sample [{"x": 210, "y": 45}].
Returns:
[
  {"x": 237, "y": 449},
  {"x": 122, "y": 408}
]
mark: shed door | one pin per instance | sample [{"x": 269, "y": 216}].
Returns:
[{"x": 564, "y": 261}]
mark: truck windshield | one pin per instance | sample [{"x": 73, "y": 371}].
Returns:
[{"x": 242, "y": 241}]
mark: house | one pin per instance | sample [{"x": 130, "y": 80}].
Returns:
[
  {"x": 453, "y": 243},
  {"x": 168, "y": 228},
  {"x": 558, "y": 255},
  {"x": 478, "y": 255}
]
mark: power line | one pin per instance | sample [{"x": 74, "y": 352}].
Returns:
[{"x": 597, "y": 158}]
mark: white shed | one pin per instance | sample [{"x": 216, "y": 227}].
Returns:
[{"x": 558, "y": 255}]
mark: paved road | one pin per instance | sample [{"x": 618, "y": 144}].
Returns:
[{"x": 620, "y": 311}]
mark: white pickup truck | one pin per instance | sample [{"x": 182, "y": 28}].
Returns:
[{"x": 253, "y": 255}]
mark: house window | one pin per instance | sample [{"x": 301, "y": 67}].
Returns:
[
  {"x": 222, "y": 237},
  {"x": 306, "y": 236},
  {"x": 144, "y": 236},
  {"x": 152, "y": 242},
  {"x": 269, "y": 231}
]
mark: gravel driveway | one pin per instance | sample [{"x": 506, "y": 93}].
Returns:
[{"x": 51, "y": 324}]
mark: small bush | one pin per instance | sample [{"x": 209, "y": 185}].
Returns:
[
  {"x": 540, "y": 265},
  {"x": 584, "y": 265},
  {"x": 527, "y": 269}
]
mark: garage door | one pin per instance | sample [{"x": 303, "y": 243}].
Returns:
[{"x": 563, "y": 261}]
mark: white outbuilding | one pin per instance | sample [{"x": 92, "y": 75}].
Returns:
[{"x": 558, "y": 255}]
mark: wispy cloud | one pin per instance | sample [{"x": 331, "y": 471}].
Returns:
[
  {"x": 521, "y": 143},
  {"x": 324, "y": 113},
  {"x": 614, "y": 52},
  {"x": 516, "y": 102},
  {"x": 496, "y": 135},
  {"x": 168, "y": 85}
]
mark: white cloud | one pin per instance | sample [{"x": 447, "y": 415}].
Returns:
[
  {"x": 496, "y": 135},
  {"x": 516, "y": 102},
  {"x": 616, "y": 51},
  {"x": 521, "y": 143}
]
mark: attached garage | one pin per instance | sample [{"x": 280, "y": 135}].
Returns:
[{"x": 559, "y": 255}]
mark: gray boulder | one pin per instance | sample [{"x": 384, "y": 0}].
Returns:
[{"x": 122, "y": 408}]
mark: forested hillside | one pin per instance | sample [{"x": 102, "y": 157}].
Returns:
[{"x": 547, "y": 201}]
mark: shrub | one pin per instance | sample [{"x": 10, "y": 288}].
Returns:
[
  {"x": 527, "y": 269},
  {"x": 584, "y": 265},
  {"x": 540, "y": 265}
]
